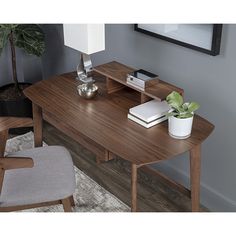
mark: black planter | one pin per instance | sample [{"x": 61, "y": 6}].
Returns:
[{"x": 21, "y": 107}]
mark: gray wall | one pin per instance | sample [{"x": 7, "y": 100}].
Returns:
[
  {"x": 208, "y": 80},
  {"x": 57, "y": 58}
]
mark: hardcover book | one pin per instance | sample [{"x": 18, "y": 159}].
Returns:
[
  {"x": 150, "y": 111},
  {"x": 146, "y": 124}
]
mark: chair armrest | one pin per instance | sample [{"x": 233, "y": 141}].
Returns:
[
  {"x": 8, "y": 163},
  {"x": 14, "y": 122}
]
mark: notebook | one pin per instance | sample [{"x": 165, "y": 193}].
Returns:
[{"x": 145, "y": 124}]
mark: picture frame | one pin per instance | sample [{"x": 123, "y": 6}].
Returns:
[{"x": 205, "y": 38}]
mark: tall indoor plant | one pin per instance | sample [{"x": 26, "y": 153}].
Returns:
[{"x": 30, "y": 38}]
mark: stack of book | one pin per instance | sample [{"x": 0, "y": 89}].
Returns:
[{"x": 149, "y": 113}]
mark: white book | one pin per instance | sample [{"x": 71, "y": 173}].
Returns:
[
  {"x": 145, "y": 124},
  {"x": 150, "y": 111}
]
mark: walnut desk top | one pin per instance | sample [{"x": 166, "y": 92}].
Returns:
[{"x": 104, "y": 120}]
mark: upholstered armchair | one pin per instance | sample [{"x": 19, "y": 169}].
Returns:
[{"x": 33, "y": 178}]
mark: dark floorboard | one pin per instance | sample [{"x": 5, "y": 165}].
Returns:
[{"x": 114, "y": 176}]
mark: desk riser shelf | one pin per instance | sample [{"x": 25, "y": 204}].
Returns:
[{"x": 116, "y": 74}]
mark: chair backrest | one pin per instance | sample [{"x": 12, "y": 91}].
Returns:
[
  {"x": 5, "y": 124},
  {"x": 14, "y": 122}
]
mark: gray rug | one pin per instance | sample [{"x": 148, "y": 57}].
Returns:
[{"x": 89, "y": 196}]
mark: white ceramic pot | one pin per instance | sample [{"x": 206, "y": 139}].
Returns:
[{"x": 180, "y": 128}]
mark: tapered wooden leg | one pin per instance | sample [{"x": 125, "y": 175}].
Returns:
[
  {"x": 72, "y": 201},
  {"x": 38, "y": 125},
  {"x": 66, "y": 204},
  {"x": 134, "y": 170},
  {"x": 98, "y": 160},
  {"x": 195, "y": 169},
  {"x": 3, "y": 141}
]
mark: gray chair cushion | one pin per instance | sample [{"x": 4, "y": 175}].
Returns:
[{"x": 51, "y": 178}]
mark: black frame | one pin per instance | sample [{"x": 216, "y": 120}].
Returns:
[{"x": 215, "y": 45}]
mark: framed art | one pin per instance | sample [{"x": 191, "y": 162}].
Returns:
[{"x": 204, "y": 38}]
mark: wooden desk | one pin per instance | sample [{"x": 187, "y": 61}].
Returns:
[{"x": 101, "y": 125}]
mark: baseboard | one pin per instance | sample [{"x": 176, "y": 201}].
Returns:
[{"x": 210, "y": 198}]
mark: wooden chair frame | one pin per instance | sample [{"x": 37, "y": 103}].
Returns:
[{"x": 15, "y": 163}]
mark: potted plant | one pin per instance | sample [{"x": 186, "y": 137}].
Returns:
[
  {"x": 180, "y": 117},
  {"x": 30, "y": 38}
]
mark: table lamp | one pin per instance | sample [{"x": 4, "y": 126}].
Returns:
[{"x": 88, "y": 39}]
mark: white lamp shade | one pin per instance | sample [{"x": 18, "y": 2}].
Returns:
[{"x": 86, "y": 38}]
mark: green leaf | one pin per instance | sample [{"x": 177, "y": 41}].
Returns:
[
  {"x": 30, "y": 37},
  {"x": 8, "y": 26},
  {"x": 184, "y": 115},
  {"x": 185, "y": 106},
  {"x": 175, "y": 100},
  {"x": 169, "y": 114},
  {"x": 5, "y": 30},
  {"x": 193, "y": 106}
]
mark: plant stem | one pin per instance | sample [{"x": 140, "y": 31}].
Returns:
[{"x": 13, "y": 60}]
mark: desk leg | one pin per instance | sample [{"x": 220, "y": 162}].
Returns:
[
  {"x": 134, "y": 170},
  {"x": 3, "y": 141},
  {"x": 38, "y": 125},
  {"x": 195, "y": 169}
]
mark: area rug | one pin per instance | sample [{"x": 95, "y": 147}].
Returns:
[{"x": 89, "y": 196}]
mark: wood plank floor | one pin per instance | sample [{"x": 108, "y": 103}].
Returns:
[{"x": 153, "y": 195}]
